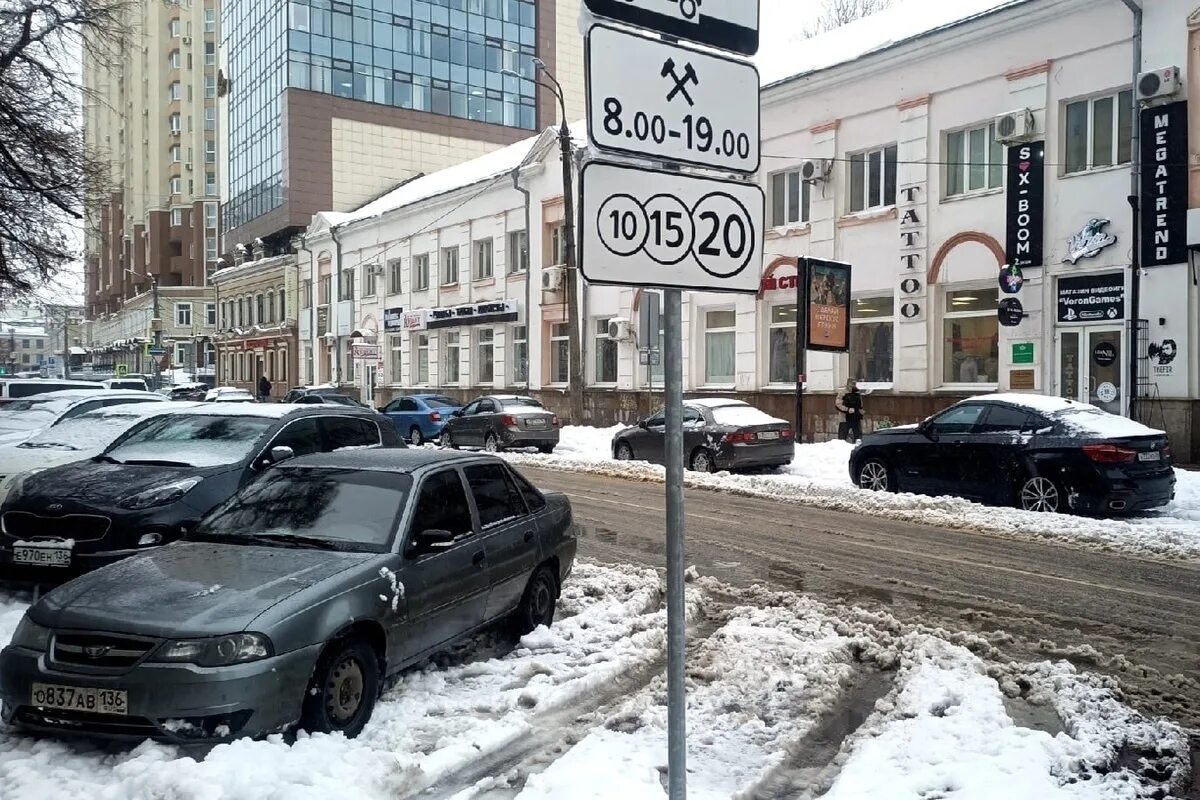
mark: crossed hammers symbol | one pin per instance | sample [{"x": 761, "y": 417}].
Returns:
[{"x": 689, "y": 75}]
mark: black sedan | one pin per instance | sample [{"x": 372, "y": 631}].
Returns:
[
  {"x": 718, "y": 434},
  {"x": 502, "y": 421},
  {"x": 274, "y": 613},
  {"x": 1037, "y": 453},
  {"x": 154, "y": 483}
]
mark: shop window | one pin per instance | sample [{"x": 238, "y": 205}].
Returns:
[
  {"x": 560, "y": 353},
  {"x": 782, "y": 347},
  {"x": 450, "y": 362},
  {"x": 971, "y": 337},
  {"x": 485, "y": 355},
  {"x": 396, "y": 361},
  {"x": 720, "y": 342},
  {"x": 421, "y": 359},
  {"x": 519, "y": 338},
  {"x": 872, "y": 321},
  {"x": 606, "y": 353}
]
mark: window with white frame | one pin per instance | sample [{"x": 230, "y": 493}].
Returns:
[
  {"x": 420, "y": 272},
  {"x": 560, "y": 353},
  {"x": 210, "y": 119},
  {"x": 210, "y": 248},
  {"x": 420, "y": 366},
  {"x": 872, "y": 179},
  {"x": 872, "y": 321},
  {"x": 174, "y": 60},
  {"x": 210, "y": 85},
  {"x": 281, "y": 298},
  {"x": 175, "y": 122},
  {"x": 210, "y": 54},
  {"x": 270, "y": 315},
  {"x": 370, "y": 279},
  {"x": 183, "y": 314},
  {"x": 606, "y": 353},
  {"x": 174, "y": 27},
  {"x": 176, "y": 217},
  {"x": 781, "y": 347},
  {"x": 176, "y": 153},
  {"x": 974, "y": 160},
  {"x": 789, "y": 198},
  {"x": 558, "y": 245},
  {"x": 324, "y": 290},
  {"x": 720, "y": 346},
  {"x": 175, "y": 91},
  {"x": 210, "y": 151},
  {"x": 482, "y": 261},
  {"x": 176, "y": 186},
  {"x": 396, "y": 361},
  {"x": 346, "y": 285},
  {"x": 518, "y": 252},
  {"x": 519, "y": 337},
  {"x": 180, "y": 354},
  {"x": 971, "y": 337},
  {"x": 210, "y": 184},
  {"x": 260, "y": 309},
  {"x": 450, "y": 358},
  {"x": 282, "y": 364},
  {"x": 485, "y": 356},
  {"x": 449, "y": 266},
  {"x": 210, "y": 20},
  {"x": 395, "y": 273},
  {"x": 210, "y": 314},
  {"x": 210, "y": 215},
  {"x": 1098, "y": 132},
  {"x": 306, "y": 294}
]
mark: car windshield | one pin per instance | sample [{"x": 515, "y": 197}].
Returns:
[
  {"x": 27, "y": 415},
  {"x": 520, "y": 402},
  {"x": 191, "y": 440},
  {"x": 87, "y": 432},
  {"x": 349, "y": 509},
  {"x": 440, "y": 402}
]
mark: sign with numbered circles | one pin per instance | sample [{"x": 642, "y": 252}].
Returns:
[
  {"x": 663, "y": 101},
  {"x": 727, "y": 24},
  {"x": 646, "y": 227}
]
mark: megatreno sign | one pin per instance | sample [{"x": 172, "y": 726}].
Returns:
[
  {"x": 1026, "y": 199},
  {"x": 1164, "y": 146}
]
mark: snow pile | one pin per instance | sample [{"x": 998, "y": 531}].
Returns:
[{"x": 819, "y": 476}]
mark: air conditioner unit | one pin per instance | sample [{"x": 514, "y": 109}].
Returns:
[
  {"x": 187, "y": 165},
  {"x": 552, "y": 279},
  {"x": 813, "y": 171},
  {"x": 1158, "y": 84},
  {"x": 1015, "y": 125},
  {"x": 618, "y": 329},
  {"x": 187, "y": 40}
]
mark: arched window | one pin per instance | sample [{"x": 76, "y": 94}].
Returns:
[
  {"x": 282, "y": 307},
  {"x": 259, "y": 315},
  {"x": 270, "y": 306}
]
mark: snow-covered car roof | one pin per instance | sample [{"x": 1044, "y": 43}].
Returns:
[
  {"x": 715, "y": 402},
  {"x": 270, "y": 410},
  {"x": 96, "y": 429},
  {"x": 1046, "y": 404},
  {"x": 1082, "y": 418}
]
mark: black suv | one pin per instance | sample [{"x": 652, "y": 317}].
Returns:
[{"x": 155, "y": 482}]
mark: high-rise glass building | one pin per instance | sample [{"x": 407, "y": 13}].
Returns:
[{"x": 328, "y": 104}]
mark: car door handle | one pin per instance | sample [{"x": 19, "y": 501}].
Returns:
[
  {"x": 528, "y": 536},
  {"x": 478, "y": 558}
]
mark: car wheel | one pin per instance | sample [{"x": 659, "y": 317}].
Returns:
[
  {"x": 415, "y": 437},
  {"x": 1038, "y": 493},
  {"x": 546, "y": 449},
  {"x": 624, "y": 452},
  {"x": 875, "y": 475},
  {"x": 702, "y": 461},
  {"x": 491, "y": 444},
  {"x": 448, "y": 439},
  {"x": 538, "y": 602},
  {"x": 342, "y": 693}
]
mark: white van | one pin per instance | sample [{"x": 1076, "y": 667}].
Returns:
[
  {"x": 134, "y": 384},
  {"x": 25, "y": 387}
]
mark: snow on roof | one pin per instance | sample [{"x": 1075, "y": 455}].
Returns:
[
  {"x": 210, "y": 409},
  {"x": 785, "y": 53},
  {"x": 715, "y": 402},
  {"x": 486, "y": 167}
]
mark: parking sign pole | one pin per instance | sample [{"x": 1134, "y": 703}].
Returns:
[{"x": 676, "y": 622}]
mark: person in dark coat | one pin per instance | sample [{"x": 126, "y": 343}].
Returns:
[
  {"x": 264, "y": 389},
  {"x": 850, "y": 403}
]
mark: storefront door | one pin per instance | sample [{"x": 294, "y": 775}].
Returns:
[
  {"x": 1091, "y": 366},
  {"x": 369, "y": 374}
]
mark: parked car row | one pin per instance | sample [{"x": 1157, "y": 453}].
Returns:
[{"x": 243, "y": 569}]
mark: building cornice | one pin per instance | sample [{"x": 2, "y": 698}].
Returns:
[
  {"x": 1028, "y": 71},
  {"x": 914, "y": 102}
]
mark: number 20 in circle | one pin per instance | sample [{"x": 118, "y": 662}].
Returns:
[
  {"x": 622, "y": 224},
  {"x": 724, "y": 235}
]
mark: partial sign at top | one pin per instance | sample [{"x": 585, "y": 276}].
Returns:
[
  {"x": 727, "y": 24},
  {"x": 663, "y": 101}
]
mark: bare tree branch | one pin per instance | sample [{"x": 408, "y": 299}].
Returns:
[
  {"x": 46, "y": 174},
  {"x": 836, "y": 13}
]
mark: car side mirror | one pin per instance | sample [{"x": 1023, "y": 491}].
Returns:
[
  {"x": 643, "y": 424},
  {"x": 431, "y": 541},
  {"x": 281, "y": 453},
  {"x": 457, "y": 413},
  {"x": 928, "y": 432}
]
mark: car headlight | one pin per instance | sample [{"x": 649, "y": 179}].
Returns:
[
  {"x": 218, "y": 651},
  {"x": 18, "y": 482},
  {"x": 31, "y": 636},
  {"x": 160, "y": 495}
]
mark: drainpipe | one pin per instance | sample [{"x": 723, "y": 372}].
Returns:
[
  {"x": 300, "y": 243},
  {"x": 528, "y": 271},
  {"x": 335, "y": 376},
  {"x": 1135, "y": 182}
]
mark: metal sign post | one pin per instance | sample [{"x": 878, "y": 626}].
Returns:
[{"x": 654, "y": 99}]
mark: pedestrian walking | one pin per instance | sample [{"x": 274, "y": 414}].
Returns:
[
  {"x": 264, "y": 389},
  {"x": 850, "y": 402}
]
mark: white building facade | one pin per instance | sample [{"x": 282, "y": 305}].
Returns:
[{"x": 428, "y": 287}]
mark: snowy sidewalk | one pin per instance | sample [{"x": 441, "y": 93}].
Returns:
[
  {"x": 820, "y": 476},
  {"x": 787, "y": 698}
]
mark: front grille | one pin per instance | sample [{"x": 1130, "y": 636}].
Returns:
[
  {"x": 99, "y": 650},
  {"x": 80, "y": 527},
  {"x": 82, "y": 722}
]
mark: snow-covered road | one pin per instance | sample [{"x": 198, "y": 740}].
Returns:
[
  {"x": 819, "y": 476},
  {"x": 787, "y": 698}
]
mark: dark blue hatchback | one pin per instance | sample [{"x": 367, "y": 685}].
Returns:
[{"x": 419, "y": 418}]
